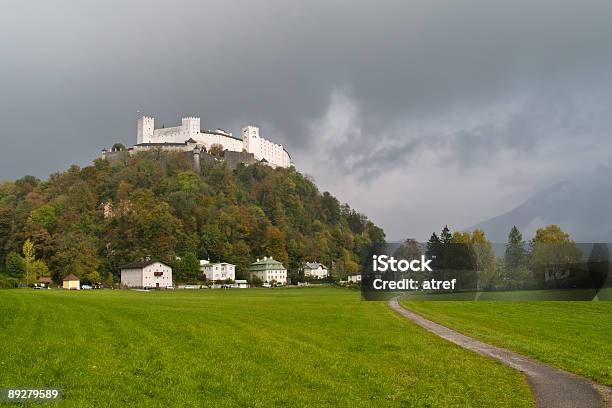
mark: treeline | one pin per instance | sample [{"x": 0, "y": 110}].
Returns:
[
  {"x": 551, "y": 259},
  {"x": 89, "y": 221}
]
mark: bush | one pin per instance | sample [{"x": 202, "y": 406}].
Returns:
[{"x": 8, "y": 282}]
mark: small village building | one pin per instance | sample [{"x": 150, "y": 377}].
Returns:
[
  {"x": 46, "y": 281},
  {"x": 71, "y": 282},
  {"x": 354, "y": 278},
  {"x": 146, "y": 274},
  {"x": 268, "y": 270},
  {"x": 241, "y": 284},
  {"x": 220, "y": 271},
  {"x": 315, "y": 270}
]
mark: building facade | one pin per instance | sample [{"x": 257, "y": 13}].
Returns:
[
  {"x": 71, "y": 282},
  {"x": 188, "y": 135},
  {"x": 354, "y": 278},
  {"x": 315, "y": 270},
  {"x": 269, "y": 270},
  {"x": 220, "y": 271},
  {"x": 147, "y": 274}
]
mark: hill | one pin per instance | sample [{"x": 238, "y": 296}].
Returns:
[
  {"x": 580, "y": 206},
  {"x": 94, "y": 219}
]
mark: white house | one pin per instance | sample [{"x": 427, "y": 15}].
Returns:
[
  {"x": 220, "y": 271},
  {"x": 146, "y": 274},
  {"x": 71, "y": 282},
  {"x": 241, "y": 283},
  {"x": 315, "y": 270},
  {"x": 268, "y": 269},
  {"x": 354, "y": 278}
]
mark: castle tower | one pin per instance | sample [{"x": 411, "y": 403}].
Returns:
[
  {"x": 191, "y": 126},
  {"x": 250, "y": 138},
  {"x": 196, "y": 160},
  {"x": 144, "y": 134}
]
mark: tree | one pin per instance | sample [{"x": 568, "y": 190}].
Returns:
[
  {"x": 39, "y": 268},
  {"x": 517, "y": 273},
  {"x": 515, "y": 249},
  {"x": 189, "y": 182},
  {"x": 109, "y": 280},
  {"x": 216, "y": 150},
  {"x": 44, "y": 216},
  {"x": 331, "y": 207},
  {"x": 75, "y": 253},
  {"x": 15, "y": 265},
  {"x": 553, "y": 254},
  {"x": 599, "y": 265},
  {"x": 274, "y": 245},
  {"x": 92, "y": 277},
  {"x": 408, "y": 250},
  {"x": 445, "y": 235},
  {"x": 471, "y": 256},
  {"x": 488, "y": 274},
  {"x": 189, "y": 268},
  {"x": 28, "y": 260}
]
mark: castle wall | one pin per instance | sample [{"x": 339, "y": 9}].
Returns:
[
  {"x": 229, "y": 143},
  {"x": 262, "y": 148},
  {"x": 175, "y": 138}
]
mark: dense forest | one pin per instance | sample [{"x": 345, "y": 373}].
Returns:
[{"x": 89, "y": 221}]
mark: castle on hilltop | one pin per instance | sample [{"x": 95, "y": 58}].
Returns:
[{"x": 189, "y": 137}]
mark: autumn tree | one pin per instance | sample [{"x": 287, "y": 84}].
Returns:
[
  {"x": 553, "y": 254},
  {"x": 216, "y": 150},
  {"x": 161, "y": 209},
  {"x": 75, "y": 253}
]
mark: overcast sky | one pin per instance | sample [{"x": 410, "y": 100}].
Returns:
[{"x": 417, "y": 113}]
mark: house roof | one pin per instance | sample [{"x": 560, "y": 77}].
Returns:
[
  {"x": 266, "y": 263},
  {"x": 44, "y": 279},
  {"x": 139, "y": 264},
  {"x": 315, "y": 265},
  {"x": 71, "y": 277}
]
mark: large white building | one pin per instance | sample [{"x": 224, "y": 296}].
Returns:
[
  {"x": 147, "y": 274},
  {"x": 315, "y": 270},
  {"x": 220, "y": 271},
  {"x": 269, "y": 270},
  {"x": 190, "y": 133}
]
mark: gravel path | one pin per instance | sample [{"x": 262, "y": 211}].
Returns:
[{"x": 552, "y": 387}]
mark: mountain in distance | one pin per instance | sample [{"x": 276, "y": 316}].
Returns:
[{"x": 582, "y": 207}]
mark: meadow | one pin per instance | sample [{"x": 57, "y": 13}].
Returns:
[
  {"x": 575, "y": 336},
  {"x": 249, "y": 347}
]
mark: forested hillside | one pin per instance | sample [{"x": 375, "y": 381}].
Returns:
[{"x": 89, "y": 221}]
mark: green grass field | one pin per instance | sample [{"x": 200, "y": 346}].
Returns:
[
  {"x": 252, "y": 347},
  {"x": 576, "y": 336}
]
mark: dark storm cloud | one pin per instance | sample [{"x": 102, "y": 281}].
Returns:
[{"x": 73, "y": 75}]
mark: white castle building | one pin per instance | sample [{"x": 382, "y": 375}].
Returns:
[{"x": 188, "y": 135}]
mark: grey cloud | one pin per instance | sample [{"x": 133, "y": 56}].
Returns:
[{"x": 75, "y": 73}]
